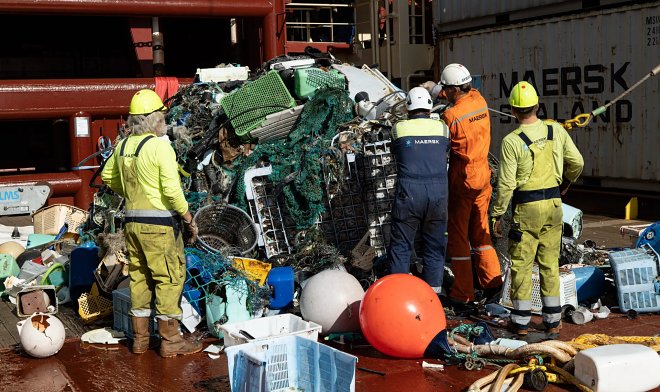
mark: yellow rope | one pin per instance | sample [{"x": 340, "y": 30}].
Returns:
[{"x": 586, "y": 341}]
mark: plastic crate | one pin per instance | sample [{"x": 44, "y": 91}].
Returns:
[
  {"x": 567, "y": 290},
  {"x": 308, "y": 80},
  {"x": 121, "y": 306},
  {"x": 49, "y": 220},
  {"x": 248, "y": 106},
  {"x": 92, "y": 306},
  {"x": 636, "y": 271},
  {"x": 289, "y": 363},
  {"x": 269, "y": 328}
]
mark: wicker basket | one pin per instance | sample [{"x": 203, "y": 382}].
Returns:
[
  {"x": 49, "y": 220},
  {"x": 222, "y": 225}
]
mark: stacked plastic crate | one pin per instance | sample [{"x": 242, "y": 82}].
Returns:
[{"x": 380, "y": 182}]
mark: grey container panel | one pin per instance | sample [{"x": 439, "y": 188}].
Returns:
[
  {"x": 455, "y": 15},
  {"x": 578, "y": 63}
]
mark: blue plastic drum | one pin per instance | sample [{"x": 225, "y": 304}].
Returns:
[{"x": 651, "y": 236}]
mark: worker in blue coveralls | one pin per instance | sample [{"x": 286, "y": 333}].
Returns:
[{"x": 421, "y": 145}]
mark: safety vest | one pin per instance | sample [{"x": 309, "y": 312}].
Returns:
[
  {"x": 421, "y": 146},
  {"x": 542, "y": 183}
]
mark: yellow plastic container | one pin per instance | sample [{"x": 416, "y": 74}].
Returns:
[{"x": 92, "y": 306}]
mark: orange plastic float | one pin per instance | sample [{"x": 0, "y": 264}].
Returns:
[{"x": 400, "y": 315}]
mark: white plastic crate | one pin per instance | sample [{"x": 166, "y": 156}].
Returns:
[
  {"x": 567, "y": 290},
  {"x": 289, "y": 363},
  {"x": 269, "y": 328},
  {"x": 635, "y": 271}
]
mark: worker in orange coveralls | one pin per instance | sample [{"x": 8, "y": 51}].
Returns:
[{"x": 469, "y": 189}]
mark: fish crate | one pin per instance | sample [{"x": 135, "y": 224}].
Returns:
[
  {"x": 289, "y": 363},
  {"x": 50, "y": 219},
  {"x": 269, "y": 328},
  {"x": 380, "y": 176},
  {"x": 249, "y": 106},
  {"x": 636, "y": 278},
  {"x": 308, "y": 80},
  {"x": 567, "y": 290}
]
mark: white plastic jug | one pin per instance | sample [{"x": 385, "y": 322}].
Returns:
[{"x": 618, "y": 367}]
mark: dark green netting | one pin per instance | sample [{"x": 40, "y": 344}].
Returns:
[{"x": 297, "y": 160}]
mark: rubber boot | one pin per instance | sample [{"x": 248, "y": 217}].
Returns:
[
  {"x": 140, "y": 334},
  {"x": 173, "y": 343}
]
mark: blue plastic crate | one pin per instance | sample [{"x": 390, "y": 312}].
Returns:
[
  {"x": 290, "y": 363},
  {"x": 636, "y": 271},
  {"x": 121, "y": 305}
]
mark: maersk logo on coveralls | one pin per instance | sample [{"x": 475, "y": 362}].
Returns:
[
  {"x": 408, "y": 143},
  {"x": 427, "y": 141}
]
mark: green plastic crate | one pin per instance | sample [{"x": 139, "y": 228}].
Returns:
[
  {"x": 308, "y": 80},
  {"x": 248, "y": 106}
]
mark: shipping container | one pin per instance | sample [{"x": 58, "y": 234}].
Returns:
[
  {"x": 578, "y": 63},
  {"x": 460, "y": 15}
]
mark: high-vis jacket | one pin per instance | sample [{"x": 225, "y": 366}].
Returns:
[
  {"x": 157, "y": 175},
  {"x": 421, "y": 147},
  {"x": 516, "y": 162},
  {"x": 469, "y": 124}
]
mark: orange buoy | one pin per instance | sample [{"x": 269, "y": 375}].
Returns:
[{"x": 400, "y": 315}]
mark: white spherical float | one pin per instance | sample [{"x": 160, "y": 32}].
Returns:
[
  {"x": 332, "y": 299},
  {"x": 42, "y": 335},
  {"x": 12, "y": 248}
]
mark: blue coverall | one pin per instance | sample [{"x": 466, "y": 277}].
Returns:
[{"x": 420, "y": 145}]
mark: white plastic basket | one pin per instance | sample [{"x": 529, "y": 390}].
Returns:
[
  {"x": 567, "y": 290},
  {"x": 269, "y": 328},
  {"x": 635, "y": 271},
  {"x": 289, "y": 363}
]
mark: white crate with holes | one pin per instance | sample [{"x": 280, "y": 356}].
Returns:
[
  {"x": 289, "y": 363},
  {"x": 636, "y": 273},
  {"x": 268, "y": 328},
  {"x": 567, "y": 290}
]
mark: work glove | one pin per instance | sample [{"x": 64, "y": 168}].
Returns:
[
  {"x": 191, "y": 231},
  {"x": 496, "y": 226},
  {"x": 433, "y": 88},
  {"x": 563, "y": 188}
]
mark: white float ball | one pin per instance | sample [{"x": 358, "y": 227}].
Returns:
[
  {"x": 332, "y": 299},
  {"x": 41, "y": 335}
]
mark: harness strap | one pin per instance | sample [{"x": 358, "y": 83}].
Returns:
[
  {"x": 139, "y": 147},
  {"x": 528, "y": 142}
]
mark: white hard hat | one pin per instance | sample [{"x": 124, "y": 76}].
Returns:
[
  {"x": 419, "y": 98},
  {"x": 455, "y": 75}
]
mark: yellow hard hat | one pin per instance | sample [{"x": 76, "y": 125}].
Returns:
[
  {"x": 523, "y": 95},
  {"x": 145, "y": 102}
]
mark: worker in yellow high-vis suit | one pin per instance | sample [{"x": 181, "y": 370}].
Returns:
[
  {"x": 538, "y": 162},
  {"x": 143, "y": 169}
]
